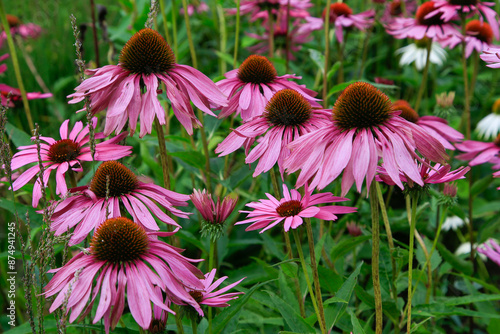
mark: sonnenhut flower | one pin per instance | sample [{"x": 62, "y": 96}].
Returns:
[
  {"x": 492, "y": 57},
  {"x": 437, "y": 127},
  {"x": 253, "y": 84},
  {"x": 15, "y": 95},
  {"x": 363, "y": 129},
  {"x": 478, "y": 153},
  {"x": 259, "y": 9},
  {"x": 491, "y": 249},
  {"x": 341, "y": 16},
  {"x": 423, "y": 25},
  {"x": 122, "y": 259},
  {"x": 478, "y": 37},
  {"x": 417, "y": 52},
  {"x": 288, "y": 115},
  {"x": 28, "y": 30},
  {"x": 66, "y": 154},
  {"x": 214, "y": 215},
  {"x": 489, "y": 127},
  {"x": 91, "y": 205},
  {"x": 291, "y": 209},
  {"x": 130, "y": 89},
  {"x": 197, "y": 6}
]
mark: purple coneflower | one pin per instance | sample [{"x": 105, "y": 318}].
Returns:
[
  {"x": 450, "y": 9},
  {"x": 259, "y": 9},
  {"x": 437, "y": 127},
  {"x": 292, "y": 209},
  {"x": 197, "y": 6},
  {"x": 253, "y": 84},
  {"x": 478, "y": 153},
  {"x": 28, "y": 30},
  {"x": 478, "y": 37},
  {"x": 66, "y": 154},
  {"x": 341, "y": 17},
  {"x": 130, "y": 88},
  {"x": 15, "y": 95},
  {"x": 425, "y": 24},
  {"x": 214, "y": 215},
  {"x": 124, "y": 259},
  {"x": 492, "y": 57},
  {"x": 288, "y": 115},
  {"x": 92, "y": 204},
  {"x": 363, "y": 128},
  {"x": 491, "y": 249}
]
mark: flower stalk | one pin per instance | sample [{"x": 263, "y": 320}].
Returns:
[
  {"x": 375, "y": 258},
  {"x": 425, "y": 74},
  {"x": 413, "y": 223},
  {"x": 327, "y": 55}
]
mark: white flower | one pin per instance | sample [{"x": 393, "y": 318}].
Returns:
[
  {"x": 418, "y": 54},
  {"x": 453, "y": 223},
  {"x": 465, "y": 249},
  {"x": 489, "y": 127}
]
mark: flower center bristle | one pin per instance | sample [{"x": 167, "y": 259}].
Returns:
[
  {"x": 13, "y": 20},
  {"x": 119, "y": 240},
  {"x": 395, "y": 8},
  {"x": 197, "y": 295},
  {"x": 361, "y": 105},
  {"x": 423, "y": 10},
  {"x": 157, "y": 326},
  {"x": 497, "y": 140},
  {"x": 257, "y": 70},
  {"x": 463, "y": 2},
  {"x": 287, "y": 108},
  {"x": 147, "y": 52},
  {"x": 496, "y": 107},
  {"x": 289, "y": 208},
  {"x": 480, "y": 30},
  {"x": 407, "y": 112},
  {"x": 63, "y": 150},
  {"x": 336, "y": 10},
  {"x": 121, "y": 180}
]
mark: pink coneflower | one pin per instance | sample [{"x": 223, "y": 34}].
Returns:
[
  {"x": 160, "y": 316},
  {"x": 214, "y": 215},
  {"x": 341, "y": 17},
  {"x": 292, "y": 209},
  {"x": 479, "y": 37},
  {"x": 363, "y": 129},
  {"x": 92, "y": 204},
  {"x": 491, "y": 249},
  {"x": 28, "y": 30},
  {"x": 15, "y": 95},
  {"x": 259, "y": 9},
  {"x": 492, "y": 57},
  {"x": 478, "y": 153},
  {"x": 3, "y": 67},
  {"x": 423, "y": 25},
  {"x": 251, "y": 86},
  {"x": 435, "y": 126},
  {"x": 131, "y": 88},
  {"x": 197, "y": 6},
  {"x": 124, "y": 259},
  {"x": 288, "y": 115},
  {"x": 430, "y": 174},
  {"x": 213, "y": 298},
  {"x": 66, "y": 154},
  {"x": 450, "y": 9},
  {"x": 395, "y": 9}
]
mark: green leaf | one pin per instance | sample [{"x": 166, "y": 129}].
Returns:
[
  {"x": 441, "y": 310},
  {"x": 290, "y": 269},
  {"x": 346, "y": 245},
  {"x": 318, "y": 248},
  {"x": 453, "y": 301},
  {"x": 340, "y": 87},
  {"x": 292, "y": 318},
  {"x": 226, "y": 57},
  {"x": 481, "y": 185},
  {"x": 192, "y": 158},
  {"x": 333, "y": 313},
  {"x": 223, "y": 318},
  {"x": 356, "y": 326},
  {"x": 457, "y": 263},
  {"x": 435, "y": 258},
  {"x": 334, "y": 300},
  {"x": 18, "y": 137},
  {"x": 318, "y": 58}
]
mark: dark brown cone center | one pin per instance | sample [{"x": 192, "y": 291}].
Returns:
[
  {"x": 289, "y": 208},
  {"x": 63, "y": 150},
  {"x": 121, "y": 180},
  {"x": 257, "y": 70}
]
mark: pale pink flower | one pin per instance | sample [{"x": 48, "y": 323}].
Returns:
[
  {"x": 124, "y": 261},
  {"x": 66, "y": 154},
  {"x": 130, "y": 89},
  {"x": 208, "y": 296},
  {"x": 93, "y": 204},
  {"x": 198, "y": 7},
  {"x": 425, "y": 24},
  {"x": 16, "y": 97},
  {"x": 259, "y": 9},
  {"x": 394, "y": 9},
  {"x": 451, "y": 9},
  {"x": 479, "y": 37},
  {"x": 430, "y": 174},
  {"x": 363, "y": 129},
  {"x": 291, "y": 209},
  {"x": 478, "y": 153},
  {"x": 492, "y": 57},
  {"x": 341, "y": 17},
  {"x": 288, "y": 115},
  {"x": 28, "y": 30},
  {"x": 437, "y": 127},
  {"x": 251, "y": 86}
]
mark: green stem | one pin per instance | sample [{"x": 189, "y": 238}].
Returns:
[
  {"x": 174, "y": 26},
  {"x": 375, "y": 258},
  {"x": 271, "y": 34},
  {"x": 295, "y": 279},
  {"x": 341, "y": 48},
  {"x": 72, "y": 178},
  {"x": 178, "y": 319},
  {"x": 317, "y": 286},
  {"x": 327, "y": 54},
  {"x": 424, "y": 76},
  {"x": 413, "y": 224},
  {"x": 163, "y": 154},
  {"x": 189, "y": 35},
  {"x": 206, "y": 152},
  {"x": 306, "y": 275},
  {"x": 164, "y": 17},
  {"x": 211, "y": 255},
  {"x": 274, "y": 181},
  {"x": 15, "y": 62},
  {"x": 475, "y": 70},
  {"x": 466, "y": 115},
  {"x": 237, "y": 34},
  {"x": 194, "y": 326},
  {"x": 223, "y": 38}
]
